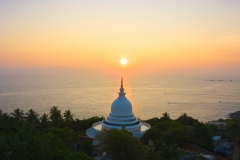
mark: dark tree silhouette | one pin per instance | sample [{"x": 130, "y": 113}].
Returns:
[
  {"x": 17, "y": 114},
  {"x": 68, "y": 116},
  {"x": 32, "y": 116},
  {"x": 55, "y": 116},
  {"x": 44, "y": 120}
]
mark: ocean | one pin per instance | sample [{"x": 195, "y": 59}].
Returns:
[{"x": 88, "y": 95}]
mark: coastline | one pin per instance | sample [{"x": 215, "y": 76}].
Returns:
[{"x": 235, "y": 114}]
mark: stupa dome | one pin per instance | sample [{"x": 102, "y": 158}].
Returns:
[{"x": 121, "y": 106}]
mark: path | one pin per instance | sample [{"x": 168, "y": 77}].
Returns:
[
  {"x": 236, "y": 150},
  {"x": 199, "y": 150}
]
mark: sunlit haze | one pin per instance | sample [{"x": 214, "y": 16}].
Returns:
[
  {"x": 172, "y": 36},
  {"x": 123, "y": 61}
]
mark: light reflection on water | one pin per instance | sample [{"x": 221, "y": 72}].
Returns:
[
  {"x": 99, "y": 127},
  {"x": 88, "y": 96}
]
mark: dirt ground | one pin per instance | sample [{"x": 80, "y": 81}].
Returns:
[
  {"x": 201, "y": 151},
  {"x": 236, "y": 150}
]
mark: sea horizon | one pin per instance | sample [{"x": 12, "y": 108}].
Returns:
[{"x": 205, "y": 98}]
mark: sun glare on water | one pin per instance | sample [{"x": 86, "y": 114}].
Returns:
[{"x": 123, "y": 61}]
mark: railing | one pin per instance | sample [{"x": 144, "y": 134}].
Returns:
[
  {"x": 146, "y": 124},
  {"x": 120, "y": 116},
  {"x": 88, "y": 131},
  {"x": 97, "y": 123},
  {"x": 114, "y": 124},
  {"x": 116, "y": 120}
]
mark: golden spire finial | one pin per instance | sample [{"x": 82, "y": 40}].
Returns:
[
  {"x": 121, "y": 93},
  {"x": 121, "y": 82}
]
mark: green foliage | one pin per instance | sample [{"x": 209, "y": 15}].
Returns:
[
  {"x": 32, "y": 116},
  {"x": 221, "y": 120},
  {"x": 153, "y": 121},
  {"x": 212, "y": 129},
  {"x": 87, "y": 147},
  {"x": 121, "y": 144},
  {"x": 165, "y": 125},
  {"x": 85, "y": 123},
  {"x": 15, "y": 146},
  {"x": 6, "y": 122},
  {"x": 55, "y": 116},
  {"x": 65, "y": 134},
  {"x": 186, "y": 120},
  {"x": 233, "y": 125},
  {"x": 202, "y": 135},
  {"x": 68, "y": 118},
  {"x": 167, "y": 147},
  {"x": 151, "y": 153},
  {"x": 32, "y": 121},
  {"x": 151, "y": 134},
  {"x": 17, "y": 114},
  {"x": 47, "y": 146},
  {"x": 165, "y": 117},
  {"x": 44, "y": 121},
  {"x": 165, "y": 143},
  {"x": 78, "y": 156},
  {"x": 167, "y": 135},
  {"x": 32, "y": 137},
  {"x": 28, "y": 136}
]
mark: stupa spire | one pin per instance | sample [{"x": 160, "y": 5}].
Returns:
[
  {"x": 121, "y": 93},
  {"x": 121, "y": 82}
]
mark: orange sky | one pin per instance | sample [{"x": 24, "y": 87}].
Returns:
[{"x": 155, "y": 36}]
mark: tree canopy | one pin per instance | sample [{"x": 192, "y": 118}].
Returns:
[
  {"x": 121, "y": 144},
  {"x": 30, "y": 136},
  {"x": 51, "y": 135}
]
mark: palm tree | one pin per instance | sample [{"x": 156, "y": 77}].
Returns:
[
  {"x": 68, "y": 116},
  {"x": 165, "y": 117},
  {"x": 186, "y": 120},
  {"x": 32, "y": 116},
  {"x": 4, "y": 120},
  {"x": 17, "y": 114},
  {"x": 32, "y": 120},
  {"x": 55, "y": 116},
  {"x": 44, "y": 120},
  {"x": 1, "y": 116},
  {"x": 33, "y": 126}
]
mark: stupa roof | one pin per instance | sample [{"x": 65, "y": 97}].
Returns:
[{"x": 121, "y": 106}]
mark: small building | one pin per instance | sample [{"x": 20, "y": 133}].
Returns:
[
  {"x": 209, "y": 157},
  {"x": 216, "y": 139},
  {"x": 76, "y": 145},
  {"x": 222, "y": 146},
  {"x": 220, "y": 125}
]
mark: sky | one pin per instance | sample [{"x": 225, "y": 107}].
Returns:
[{"x": 155, "y": 36}]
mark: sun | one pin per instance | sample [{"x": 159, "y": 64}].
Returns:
[{"x": 123, "y": 61}]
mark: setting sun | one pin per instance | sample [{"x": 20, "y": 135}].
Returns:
[{"x": 124, "y": 61}]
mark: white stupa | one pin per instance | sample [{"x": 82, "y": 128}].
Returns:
[{"x": 121, "y": 116}]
